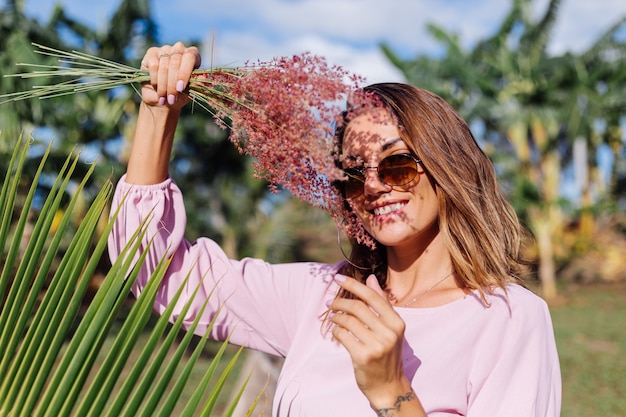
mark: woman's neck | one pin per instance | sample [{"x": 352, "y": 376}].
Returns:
[{"x": 417, "y": 267}]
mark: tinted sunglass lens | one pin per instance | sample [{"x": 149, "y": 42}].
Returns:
[
  {"x": 397, "y": 169},
  {"x": 353, "y": 186},
  {"x": 393, "y": 170}
]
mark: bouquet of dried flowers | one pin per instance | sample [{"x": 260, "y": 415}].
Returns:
[{"x": 281, "y": 112}]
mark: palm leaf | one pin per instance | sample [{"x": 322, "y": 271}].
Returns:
[{"x": 53, "y": 362}]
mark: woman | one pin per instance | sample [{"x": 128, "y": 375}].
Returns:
[{"x": 433, "y": 321}]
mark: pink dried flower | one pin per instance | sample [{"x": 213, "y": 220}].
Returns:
[{"x": 281, "y": 112}]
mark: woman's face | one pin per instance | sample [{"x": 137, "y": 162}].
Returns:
[{"x": 400, "y": 215}]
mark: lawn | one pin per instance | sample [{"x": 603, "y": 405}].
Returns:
[{"x": 590, "y": 328}]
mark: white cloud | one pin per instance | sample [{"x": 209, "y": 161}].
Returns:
[
  {"x": 346, "y": 32},
  {"x": 581, "y": 23},
  {"x": 232, "y": 49}
]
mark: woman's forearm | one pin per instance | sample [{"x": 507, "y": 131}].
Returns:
[
  {"x": 170, "y": 68},
  {"x": 152, "y": 145}
]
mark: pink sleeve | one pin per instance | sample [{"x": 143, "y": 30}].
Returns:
[
  {"x": 262, "y": 303},
  {"x": 516, "y": 370}
]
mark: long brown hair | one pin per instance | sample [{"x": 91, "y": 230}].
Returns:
[{"x": 480, "y": 228}]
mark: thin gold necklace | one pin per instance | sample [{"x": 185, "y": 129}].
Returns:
[{"x": 417, "y": 297}]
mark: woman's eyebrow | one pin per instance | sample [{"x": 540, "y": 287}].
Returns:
[{"x": 390, "y": 144}]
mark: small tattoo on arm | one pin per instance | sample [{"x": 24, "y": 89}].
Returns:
[{"x": 390, "y": 412}]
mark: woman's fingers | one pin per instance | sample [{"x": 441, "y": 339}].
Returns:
[
  {"x": 362, "y": 323},
  {"x": 369, "y": 316},
  {"x": 345, "y": 335},
  {"x": 372, "y": 282},
  {"x": 190, "y": 60},
  {"x": 370, "y": 294},
  {"x": 170, "y": 67}
]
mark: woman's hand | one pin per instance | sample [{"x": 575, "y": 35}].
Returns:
[
  {"x": 170, "y": 67},
  {"x": 373, "y": 333}
]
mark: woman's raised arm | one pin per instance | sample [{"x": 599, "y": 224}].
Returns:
[{"x": 170, "y": 68}]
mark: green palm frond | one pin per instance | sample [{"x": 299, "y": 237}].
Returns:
[{"x": 63, "y": 355}]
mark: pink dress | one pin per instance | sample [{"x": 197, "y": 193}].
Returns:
[{"x": 463, "y": 358}]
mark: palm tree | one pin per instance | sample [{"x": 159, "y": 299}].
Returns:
[
  {"x": 205, "y": 164},
  {"x": 89, "y": 120},
  {"x": 86, "y": 121},
  {"x": 524, "y": 100},
  {"x": 17, "y": 31},
  {"x": 596, "y": 104},
  {"x": 55, "y": 360}
]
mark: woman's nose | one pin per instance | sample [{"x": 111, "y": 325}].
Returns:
[{"x": 373, "y": 184}]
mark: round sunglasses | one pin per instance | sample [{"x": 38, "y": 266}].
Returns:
[{"x": 394, "y": 170}]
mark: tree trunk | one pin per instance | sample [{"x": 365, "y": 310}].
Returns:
[
  {"x": 547, "y": 269},
  {"x": 583, "y": 183}
]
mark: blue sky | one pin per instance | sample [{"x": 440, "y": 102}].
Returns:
[{"x": 346, "y": 32}]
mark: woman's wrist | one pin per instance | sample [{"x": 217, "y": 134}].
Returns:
[
  {"x": 397, "y": 402},
  {"x": 396, "y": 408}
]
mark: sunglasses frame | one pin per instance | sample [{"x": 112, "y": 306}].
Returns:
[{"x": 361, "y": 174}]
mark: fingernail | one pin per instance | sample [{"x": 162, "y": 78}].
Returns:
[
  {"x": 340, "y": 278},
  {"x": 180, "y": 86},
  {"x": 171, "y": 99},
  {"x": 161, "y": 101},
  {"x": 329, "y": 303}
]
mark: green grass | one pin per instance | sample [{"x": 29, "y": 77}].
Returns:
[{"x": 590, "y": 329}]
